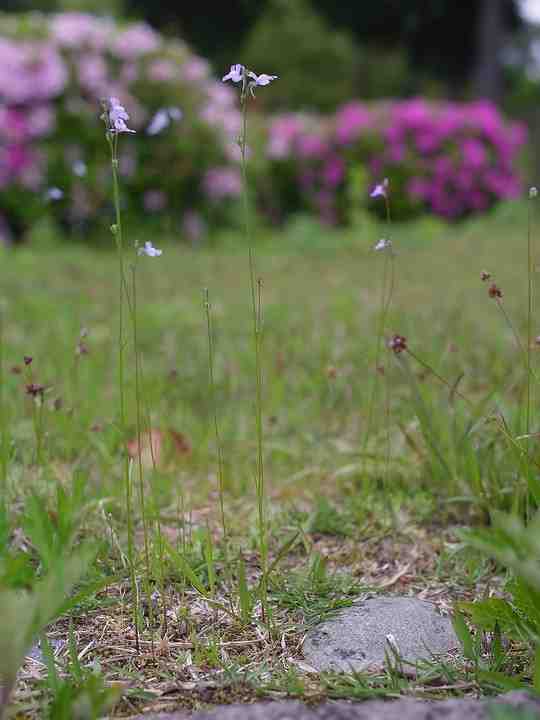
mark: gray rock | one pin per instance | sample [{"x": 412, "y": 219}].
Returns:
[
  {"x": 513, "y": 706},
  {"x": 356, "y": 639}
]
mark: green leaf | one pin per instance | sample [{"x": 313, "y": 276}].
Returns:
[
  {"x": 526, "y": 600},
  {"x": 187, "y": 570},
  {"x": 486, "y": 614},
  {"x": 246, "y": 604},
  {"x": 464, "y": 635},
  {"x": 501, "y": 681}
]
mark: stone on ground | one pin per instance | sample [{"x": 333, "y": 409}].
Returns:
[
  {"x": 357, "y": 638},
  {"x": 513, "y": 706}
]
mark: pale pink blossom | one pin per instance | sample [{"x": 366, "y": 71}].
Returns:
[
  {"x": 222, "y": 182},
  {"x": 136, "y": 41},
  {"x": 76, "y": 30},
  {"x": 195, "y": 70}
]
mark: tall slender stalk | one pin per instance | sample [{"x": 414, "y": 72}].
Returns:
[
  {"x": 3, "y": 424},
  {"x": 525, "y": 352},
  {"x": 139, "y": 420},
  {"x": 219, "y": 448},
  {"x": 116, "y": 230},
  {"x": 387, "y": 291},
  {"x": 157, "y": 516},
  {"x": 451, "y": 386},
  {"x": 255, "y": 287},
  {"x": 530, "y": 289}
]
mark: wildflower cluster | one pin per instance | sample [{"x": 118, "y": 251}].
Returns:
[{"x": 446, "y": 158}]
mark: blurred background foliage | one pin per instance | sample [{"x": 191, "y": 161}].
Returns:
[
  {"x": 327, "y": 55},
  {"x": 329, "y": 52}
]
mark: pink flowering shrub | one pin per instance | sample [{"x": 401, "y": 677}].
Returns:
[
  {"x": 306, "y": 168},
  {"x": 446, "y": 158},
  {"x": 55, "y": 70}
]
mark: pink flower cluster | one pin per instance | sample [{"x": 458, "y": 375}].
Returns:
[
  {"x": 31, "y": 74},
  {"x": 54, "y": 74},
  {"x": 448, "y": 158},
  {"x": 222, "y": 182},
  {"x": 303, "y": 146}
]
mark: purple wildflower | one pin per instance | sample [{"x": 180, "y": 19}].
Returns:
[
  {"x": 236, "y": 73},
  {"x": 262, "y": 79},
  {"x": 162, "y": 119},
  {"x": 382, "y": 244},
  {"x": 118, "y": 116},
  {"x": 53, "y": 194},
  {"x": 381, "y": 190},
  {"x": 149, "y": 250}
]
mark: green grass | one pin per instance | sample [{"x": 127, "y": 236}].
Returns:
[{"x": 447, "y": 465}]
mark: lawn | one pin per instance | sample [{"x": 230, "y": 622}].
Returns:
[{"x": 358, "y": 501}]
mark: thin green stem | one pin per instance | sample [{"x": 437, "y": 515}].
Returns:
[
  {"x": 525, "y": 353},
  {"x": 142, "y": 501},
  {"x": 530, "y": 276},
  {"x": 440, "y": 378},
  {"x": 387, "y": 291},
  {"x": 36, "y": 425},
  {"x": 161, "y": 556},
  {"x": 118, "y": 236},
  {"x": 3, "y": 423},
  {"x": 255, "y": 287},
  {"x": 219, "y": 449}
]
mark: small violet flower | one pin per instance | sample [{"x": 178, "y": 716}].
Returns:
[
  {"x": 381, "y": 190},
  {"x": 236, "y": 73},
  {"x": 249, "y": 79},
  {"x": 117, "y": 117},
  {"x": 382, "y": 244},
  {"x": 162, "y": 119},
  {"x": 149, "y": 250},
  {"x": 262, "y": 79},
  {"x": 54, "y": 194},
  {"x": 79, "y": 168}
]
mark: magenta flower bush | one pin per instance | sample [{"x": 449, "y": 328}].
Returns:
[
  {"x": 446, "y": 158},
  {"x": 307, "y": 169},
  {"x": 181, "y": 161}
]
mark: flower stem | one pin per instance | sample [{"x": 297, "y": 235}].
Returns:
[
  {"x": 440, "y": 378},
  {"x": 524, "y": 351},
  {"x": 387, "y": 291},
  {"x": 3, "y": 424},
  {"x": 256, "y": 309},
  {"x": 117, "y": 233},
  {"x": 219, "y": 448},
  {"x": 142, "y": 501},
  {"x": 530, "y": 280}
]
